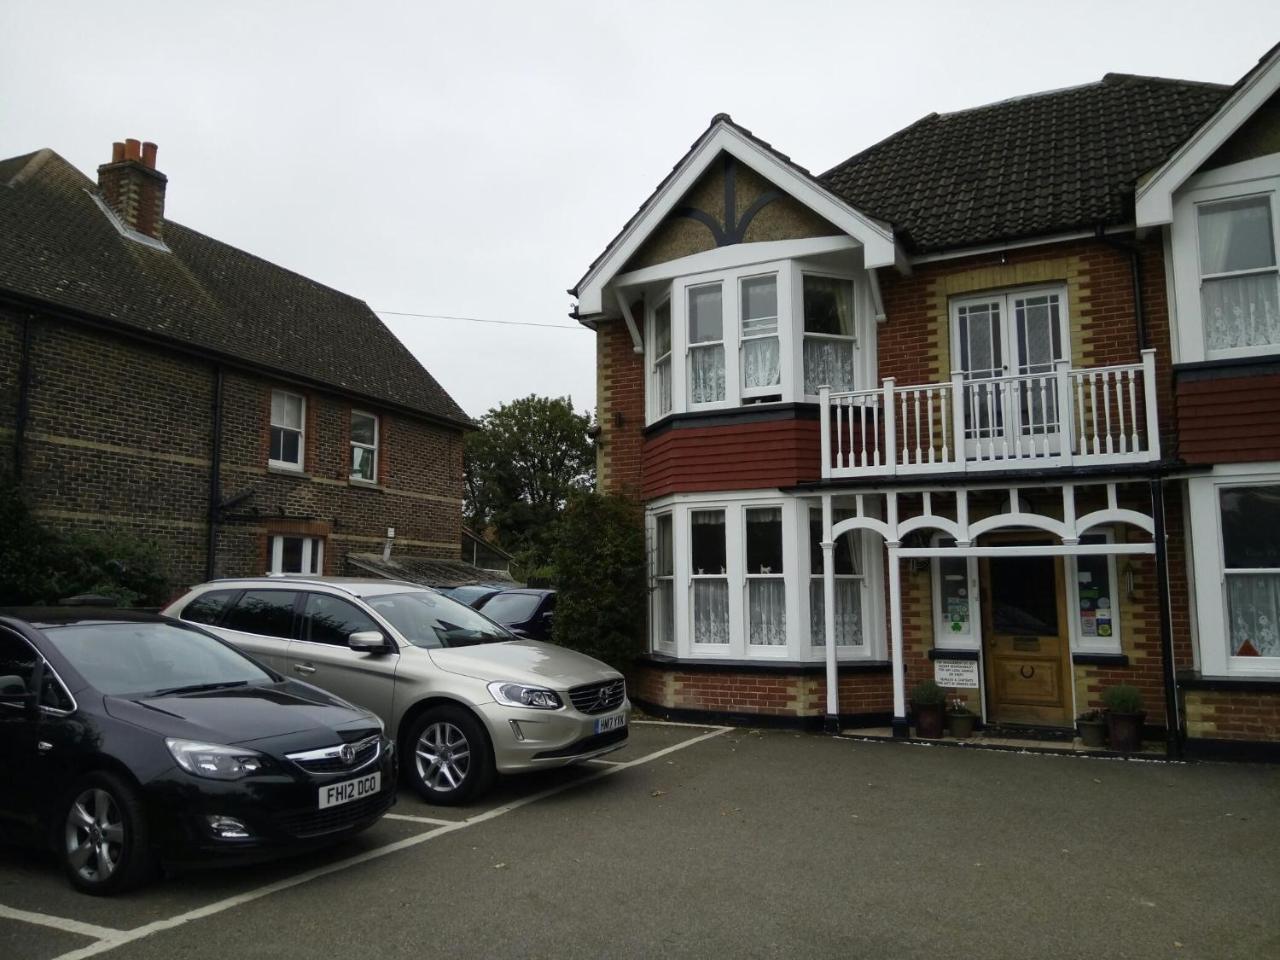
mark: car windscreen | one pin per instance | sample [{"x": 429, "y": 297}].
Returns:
[
  {"x": 511, "y": 607},
  {"x": 122, "y": 659},
  {"x": 427, "y": 619}
]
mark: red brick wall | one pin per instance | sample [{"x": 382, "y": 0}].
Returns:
[
  {"x": 1227, "y": 715},
  {"x": 747, "y": 456},
  {"x": 620, "y": 383}
]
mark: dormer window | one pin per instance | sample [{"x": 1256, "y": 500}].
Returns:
[
  {"x": 1239, "y": 292},
  {"x": 828, "y": 333}
]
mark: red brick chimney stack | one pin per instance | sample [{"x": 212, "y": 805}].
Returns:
[{"x": 133, "y": 188}]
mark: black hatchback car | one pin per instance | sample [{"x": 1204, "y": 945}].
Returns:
[
  {"x": 130, "y": 740},
  {"x": 527, "y": 612}
]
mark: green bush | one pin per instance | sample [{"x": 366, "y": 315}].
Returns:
[
  {"x": 1122, "y": 698},
  {"x": 602, "y": 581},
  {"x": 927, "y": 692}
]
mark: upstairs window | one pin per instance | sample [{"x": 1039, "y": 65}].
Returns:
[
  {"x": 1239, "y": 293},
  {"x": 288, "y": 416},
  {"x": 706, "y": 344},
  {"x": 364, "y": 446},
  {"x": 761, "y": 350},
  {"x": 828, "y": 334},
  {"x": 662, "y": 358}
]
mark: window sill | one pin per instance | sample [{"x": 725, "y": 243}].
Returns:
[
  {"x": 1236, "y": 684},
  {"x": 285, "y": 471},
  {"x": 364, "y": 484},
  {"x": 1091, "y": 658},
  {"x": 728, "y": 665}
]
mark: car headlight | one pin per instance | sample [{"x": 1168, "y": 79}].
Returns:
[
  {"x": 518, "y": 695},
  {"x": 214, "y": 760}
]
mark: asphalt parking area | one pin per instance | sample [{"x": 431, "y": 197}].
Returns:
[{"x": 708, "y": 843}]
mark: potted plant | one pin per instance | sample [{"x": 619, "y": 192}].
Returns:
[
  {"x": 1092, "y": 725},
  {"x": 960, "y": 719},
  {"x": 927, "y": 703},
  {"x": 1124, "y": 717}
]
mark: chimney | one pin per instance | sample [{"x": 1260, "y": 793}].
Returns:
[{"x": 133, "y": 188}]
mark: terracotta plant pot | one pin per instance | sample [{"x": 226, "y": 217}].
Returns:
[
  {"x": 961, "y": 725},
  {"x": 1093, "y": 733},
  {"x": 928, "y": 718},
  {"x": 1126, "y": 731}
]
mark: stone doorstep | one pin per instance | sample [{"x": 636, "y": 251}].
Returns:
[{"x": 1150, "y": 748}]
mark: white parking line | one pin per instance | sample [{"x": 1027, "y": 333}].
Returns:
[
  {"x": 412, "y": 819},
  {"x": 110, "y": 939},
  {"x": 676, "y": 723},
  {"x": 60, "y": 923}
]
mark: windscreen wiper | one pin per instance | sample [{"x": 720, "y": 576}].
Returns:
[{"x": 199, "y": 687}]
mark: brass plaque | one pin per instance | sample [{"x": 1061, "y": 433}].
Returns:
[{"x": 1026, "y": 643}]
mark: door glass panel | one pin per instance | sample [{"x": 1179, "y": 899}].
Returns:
[
  {"x": 333, "y": 620},
  {"x": 981, "y": 360},
  {"x": 17, "y": 664},
  {"x": 268, "y": 613},
  {"x": 1036, "y": 321},
  {"x": 1024, "y": 596}
]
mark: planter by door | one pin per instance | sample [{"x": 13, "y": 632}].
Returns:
[
  {"x": 1093, "y": 733},
  {"x": 1126, "y": 731},
  {"x": 928, "y": 717},
  {"x": 961, "y": 725}
]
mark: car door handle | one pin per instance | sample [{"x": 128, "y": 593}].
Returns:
[{"x": 304, "y": 668}]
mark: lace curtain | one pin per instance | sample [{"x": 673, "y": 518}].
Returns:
[
  {"x": 1253, "y": 602},
  {"x": 706, "y": 374},
  {"x": 662, "y": 376},
  {"x": 665, "y": 618},
  {"x": 848, "y": 612},
  {"x": 711, "y": 611},
  {"x": 827, "y": 362},
  {"x": 767, "y": 612},
  {"x": 1241, "y": 311},
  {"x": 761, "y": 362}
]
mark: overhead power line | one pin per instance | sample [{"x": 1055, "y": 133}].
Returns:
[{"x": 508, "y": 323}]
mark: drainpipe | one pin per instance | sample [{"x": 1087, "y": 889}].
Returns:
[
  {"x": 1173, "y": 720},
  {"x": 1135, "y": 279},
  {"x": 215, "y": 476},
  {"x": 23, "y": 412}
]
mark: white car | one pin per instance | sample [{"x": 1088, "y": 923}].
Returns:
[{"x": 464, "y": 698}]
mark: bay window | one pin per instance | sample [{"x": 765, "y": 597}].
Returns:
[
  {"x": 828, "y": 333},
  {"x": 664, "y": 621},
  {"x": 849, "y": 580},
  {"x": 1239, "y": 288},
  {"x": 1251, "y": 569},
  {"x": 708, "y": 567},
  {"x": 706, "y": 344},
  {"x": 660, "y": 337},
  {"x": 761, "y": 349},
  {"x": 766, "y": 586}
]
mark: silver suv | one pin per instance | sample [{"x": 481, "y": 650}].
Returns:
[{"x": 464, "y": 698}]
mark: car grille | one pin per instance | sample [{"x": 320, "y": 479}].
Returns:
[
  {"x": 316, "y": 823},
  {"x": 599, "y": 697},
  {"x": 586, "y": 745},
  {"x": 329, "y": 759}
]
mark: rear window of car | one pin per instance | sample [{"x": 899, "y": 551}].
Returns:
[
  {"x": 511, "y": 607},
  {"x": 268, "y": 613},
  {"x": 207, "y": 607}
]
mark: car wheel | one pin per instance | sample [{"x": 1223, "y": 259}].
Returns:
[
  {"x": 450, "y": 760},
  {"x": 104, "y": 844}
]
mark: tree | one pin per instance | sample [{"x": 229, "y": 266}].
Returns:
[
  {"x": 602, "y": 579},
  {"x": 520, "y": 468}
]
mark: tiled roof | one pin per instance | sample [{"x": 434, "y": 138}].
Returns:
[
  {"x": 58, "y": 246},
  {"x": 1031, "y": 166},
  {"x": 441, "y": 574}
]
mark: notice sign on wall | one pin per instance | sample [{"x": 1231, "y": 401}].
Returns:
[{"x": 956, "y": 673}]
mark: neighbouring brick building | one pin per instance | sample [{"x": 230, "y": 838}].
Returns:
[
  {"x": 993, "y": 401},
  {"x": 245, "y": 418}
]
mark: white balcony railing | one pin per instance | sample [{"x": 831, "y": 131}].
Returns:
[{"x": 1059, "y": 417}]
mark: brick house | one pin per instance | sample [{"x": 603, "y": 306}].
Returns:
[
  {"x": 245, "y": 418},
  {"x": 924, "y": 404}
]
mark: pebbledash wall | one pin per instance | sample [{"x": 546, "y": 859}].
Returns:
[
  {"x": 118, "y": 435},
  {"x": 754, "y": 449}
]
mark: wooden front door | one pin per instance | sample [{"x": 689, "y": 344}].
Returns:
[{"x": 1028, "y": 657}]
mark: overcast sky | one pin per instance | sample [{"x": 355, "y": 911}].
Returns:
[{"x": 471, "y": 159}]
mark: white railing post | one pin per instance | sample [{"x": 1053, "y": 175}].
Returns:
[
  {"x": 890, "y": 427},
  {"x": 1149, "y": 394},
  {"x": 824, "y": 415},
  {"x": 958, "y": 443},
  {"x": 1066, "y": 422}
]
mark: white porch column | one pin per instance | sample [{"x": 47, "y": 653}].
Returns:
[
  {"x": 832, "y": 723},
  {"x": 895, "y": 630}
]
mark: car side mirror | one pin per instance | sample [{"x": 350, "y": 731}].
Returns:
[{"x": 368, "y": 641}]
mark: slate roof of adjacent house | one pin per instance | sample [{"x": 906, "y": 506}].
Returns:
[
  {"x": 441, "y": 574},
  {"x": 59, "y": 247},
  {"x": 1036, "y": 165}
]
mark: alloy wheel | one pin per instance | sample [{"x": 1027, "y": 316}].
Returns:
[
  {"x": 443, "y": 756},
  {"x": 94, "y": 835}
]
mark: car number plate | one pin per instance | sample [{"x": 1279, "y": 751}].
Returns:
[
  {"x": 605, "y": 724},
  {"x": 338, "y": 793}
]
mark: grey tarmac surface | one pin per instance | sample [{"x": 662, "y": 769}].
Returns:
[{"x": 764, "y": 844}]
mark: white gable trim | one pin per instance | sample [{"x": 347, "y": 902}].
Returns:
[
  {"x": 736, "y": 255},
  {"x": 876, "y": 238},
  {"x": 1154, "y": 199}
]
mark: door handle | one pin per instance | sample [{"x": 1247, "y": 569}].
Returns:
[{"x": 304, "y": 668}]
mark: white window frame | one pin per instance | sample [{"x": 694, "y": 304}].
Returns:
[
  {"x": 1237, "y": 181},
  {"x": 1079, "y": 642},
  {"x": 872, "y": 615},
  {"x": 732, "y": 547},
  {"x": 312, "y": 554},
  {"x": 302, "y": 431},
  {"x": 726, "y": 343},
  {"x": 1210, "y": 574},
  {"x": 749, "y": 576},
  {"x": 943, "y": 637},
  {"x": 772, "y": 390},
  {"x": 862, "y": 377},
  {"x": 653, "y": 406},
  {"x": 657, "y": 643},
  {"x": 375, "y": 447}
]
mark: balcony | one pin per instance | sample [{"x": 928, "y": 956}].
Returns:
[{"x": 1060, "y": 417}]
